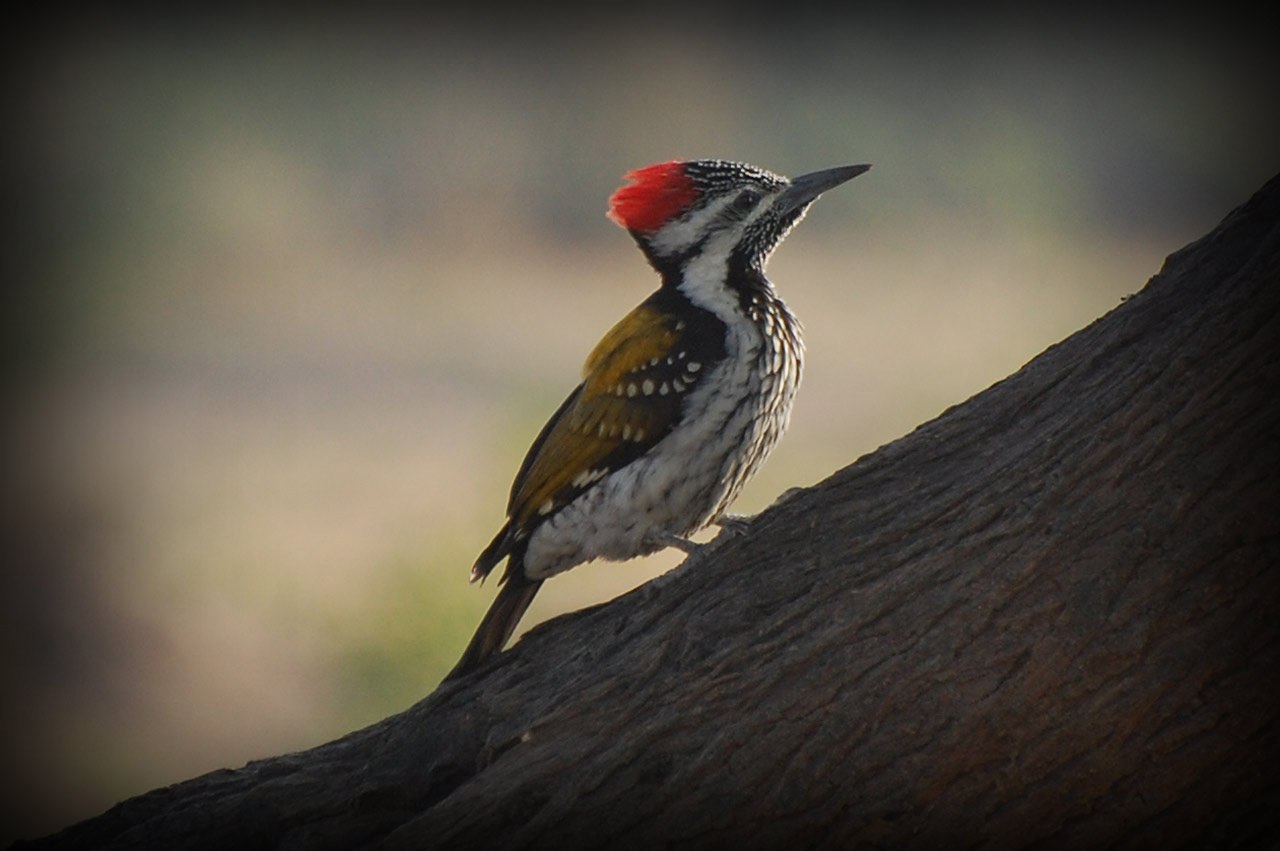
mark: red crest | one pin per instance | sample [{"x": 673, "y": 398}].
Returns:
[{"x": 653, "y": 196}]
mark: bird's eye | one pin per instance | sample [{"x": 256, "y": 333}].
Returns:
[{"x": 746, "y": 201}]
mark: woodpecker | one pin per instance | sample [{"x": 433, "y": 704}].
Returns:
[{"x": 681, "y": 400}]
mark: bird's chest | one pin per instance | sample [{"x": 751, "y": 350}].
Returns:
[
  {"x": 758, "y": 398},
  {"x": 743, "y": 400}
]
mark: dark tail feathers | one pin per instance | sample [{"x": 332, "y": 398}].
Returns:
[{"x": 513, "y": 599}]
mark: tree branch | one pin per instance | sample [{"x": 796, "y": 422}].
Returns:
[{"x": 1048, "y": 616}]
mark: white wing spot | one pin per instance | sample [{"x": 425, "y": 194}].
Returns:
[
  {"x": 639, "y": 436},
  {"x": 677, "y": 384},
  {"x": 603, "y": 429},
  {"x": 546, "y": 507},
  {"x": 648, "y": 387},
  {"x": 693, "y": 366},
  {"x": 626, "y": 432},
  {"x": 632, "y": 390},
  {"x": 664, "y": 389}
]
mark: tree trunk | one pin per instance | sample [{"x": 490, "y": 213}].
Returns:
[{"x": 1049, "y": 617}]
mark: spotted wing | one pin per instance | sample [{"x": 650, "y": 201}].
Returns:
[{"x": 630, "y": 398}]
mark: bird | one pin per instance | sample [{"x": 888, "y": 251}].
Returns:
[{"x": 679, "y": 403}]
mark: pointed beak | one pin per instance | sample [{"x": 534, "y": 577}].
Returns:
[{"x": 807, "y": 187}]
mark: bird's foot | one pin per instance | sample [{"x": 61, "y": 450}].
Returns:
[
  {"x": 731, "y": 526},
  {"x": 734, "y": 525}
]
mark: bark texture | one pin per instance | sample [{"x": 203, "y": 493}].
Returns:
[{"x": 1050, "y": 618}]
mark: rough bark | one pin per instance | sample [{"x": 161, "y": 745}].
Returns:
[{"x": 1049, "y": 617}]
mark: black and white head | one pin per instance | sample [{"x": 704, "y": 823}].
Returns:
[{"x": 714, "y": 217}]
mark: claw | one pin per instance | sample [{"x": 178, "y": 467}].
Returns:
[{"x": 734, "y": 524}]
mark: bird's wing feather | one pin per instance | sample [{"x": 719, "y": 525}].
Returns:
[{"x": 629, "y": 399}]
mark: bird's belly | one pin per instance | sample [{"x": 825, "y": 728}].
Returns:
[{"x": 679, "y": 487}]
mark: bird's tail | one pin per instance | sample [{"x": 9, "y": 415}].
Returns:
[{"x": 513, "y": 599}]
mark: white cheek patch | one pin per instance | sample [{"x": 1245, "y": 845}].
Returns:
[
  {"x": 719, "y": 234},
  {"x": 679, "y": 236},
  {"x": 704, "y": 275}
]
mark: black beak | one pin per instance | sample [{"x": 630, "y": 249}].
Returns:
[{"x": 805, "y": 188}]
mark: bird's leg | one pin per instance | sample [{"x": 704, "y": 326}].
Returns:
[
  {"x": 738, "y": 524},
  {"x": 668, "y": 539},
  {"x": 731, "y": 525}
]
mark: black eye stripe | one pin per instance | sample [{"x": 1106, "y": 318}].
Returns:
[{"x": 746, "y": 201}]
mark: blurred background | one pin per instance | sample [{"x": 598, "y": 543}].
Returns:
[{"x": 291, "y": 299}]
